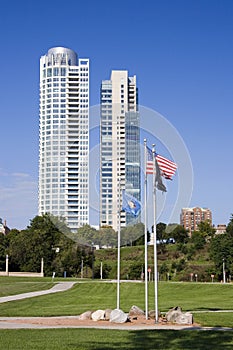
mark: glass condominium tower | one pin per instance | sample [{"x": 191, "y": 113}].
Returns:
[
  {"x": 119, "y": 148},
  {"x": 64, "y": 136}
]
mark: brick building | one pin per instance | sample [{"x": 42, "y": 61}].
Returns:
[{"x": 190, "y": 218}]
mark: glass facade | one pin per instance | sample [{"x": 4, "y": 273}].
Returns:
[
  {"x": 132, "y": 160},
  {"x": 106, "y": 153}
]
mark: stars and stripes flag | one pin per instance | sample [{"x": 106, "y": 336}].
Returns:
[
  {"x": 149, "y": 162},
  {"x": 164, "y": 167}
]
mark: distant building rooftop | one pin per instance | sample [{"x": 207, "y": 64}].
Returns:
[{"x": 3, "y": 227}]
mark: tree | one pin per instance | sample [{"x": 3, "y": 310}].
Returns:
[
  {"x": 178, "y": 232},
  {"x": 106, "y": 236},
  {"x": 3, "y": 245},
  {"x": 40, "y": 240},
  {"x": 163, "y": 270},
  {"x": 131, "y": 235},
  {"x": 139, "y": 234},
  {"x": 206, "y": 230},
  {"x": 221, "y": 247},
  {"x": 161, "y": 231},
  {"x": 198, "y": 240},
  {"x": 69, "y": 261},
  {"x": 229, "y": 229},
  {"x": 86, "y": 235}
]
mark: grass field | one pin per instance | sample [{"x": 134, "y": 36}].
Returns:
[
  {"x": 97, "y": 339},
  {"x": 200, "y": 298},
  {"x": 94, "y": 295},
  {"x": 14, "y": 285}
]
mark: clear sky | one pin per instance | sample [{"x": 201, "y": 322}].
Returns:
[{"x": 182, "y": 54}]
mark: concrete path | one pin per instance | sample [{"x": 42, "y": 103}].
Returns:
[{"x": 59, "y": 287}]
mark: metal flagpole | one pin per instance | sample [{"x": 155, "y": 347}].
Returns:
[
  {"x": 145, "y": 231},
  {"x": 119, "y": 247},
  {"x": 155, "y": 241}
]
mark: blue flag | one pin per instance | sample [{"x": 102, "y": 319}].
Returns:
[{"x": 130, "y": 204}]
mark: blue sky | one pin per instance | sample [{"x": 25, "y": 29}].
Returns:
[{"x": 182, "y": 54}]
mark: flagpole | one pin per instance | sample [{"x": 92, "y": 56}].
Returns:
[
  {"x": 145, "y": 231},
  {"x": 119, "y": 246},
  {"x": 155, "y": 241}
]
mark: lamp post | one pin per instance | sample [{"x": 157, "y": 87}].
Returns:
[
  {"x": 92, "y": 248},
  {"x": 7, "y": 265},
  {"x": 101, "y": 270},
  {"x": 82, "y": 268},
  {"x": 223, "y": 270}
]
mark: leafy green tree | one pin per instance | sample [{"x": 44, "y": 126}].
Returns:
[
  {"x": 206, "y": 230},
  {"x": 198, "y": 240},
  {"x": 131, "y": 235},
  {"x": 163, "y": 270},
  {"x": 160, "y": 231},
  {"x": 106, "y": 236},
  {"x": 139, "y": 232},
  {"x": 86, "y": 235},
  {"x": 69, "y": 261},
  {"x": 40, "y": 240},
  {"x": 221, "y": 247},
  {"x": 3, "y": 246},
  {"x": 229, "y": 229},
  {"x": 178, "y": 232}
]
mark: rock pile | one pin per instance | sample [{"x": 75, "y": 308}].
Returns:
[
  {"x": 116, "y": 316},
  {"x": 174, "y": 315}
]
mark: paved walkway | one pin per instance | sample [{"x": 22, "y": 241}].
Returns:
[{"x": 59, "y": 287}]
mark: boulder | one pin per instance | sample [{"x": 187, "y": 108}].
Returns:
[
  {"x": 136, "y": 311},
  {"x": 151, "y": 314},
  {"x": 107, "y": 313},
  {"x": 118, "y": 316},
  {"x": 173, "y": 313},
  {"x": 85, "y": 316},
  {"x": 98, "y": 315},
  {"x": 185, "y": 318},
  {"x": 177, "y": 316}
]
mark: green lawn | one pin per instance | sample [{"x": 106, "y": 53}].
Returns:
[
  {"x": 14, "y": 285},
  {"x": 200, "y": 298},
  {"x": 214, "y": 319},
  {"x": 94, "y": 295},
  {"x": 97, "y": 339}
]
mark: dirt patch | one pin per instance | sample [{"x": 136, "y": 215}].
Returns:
[{"x": 72, "y": 321}]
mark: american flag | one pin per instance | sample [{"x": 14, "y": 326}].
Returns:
[
  {"x": 166, "y": 166},
  {"x": 150, "y": 162}
]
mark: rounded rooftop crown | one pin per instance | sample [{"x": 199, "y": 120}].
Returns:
[{"x": 61, "y": 52}]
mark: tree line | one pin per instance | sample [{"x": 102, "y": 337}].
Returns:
[{"x": 73, "y": 254}]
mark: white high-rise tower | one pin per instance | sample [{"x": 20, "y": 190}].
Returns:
[
  {"x": 119, "y": 147},
  {"x": 64, "y": 136}
]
